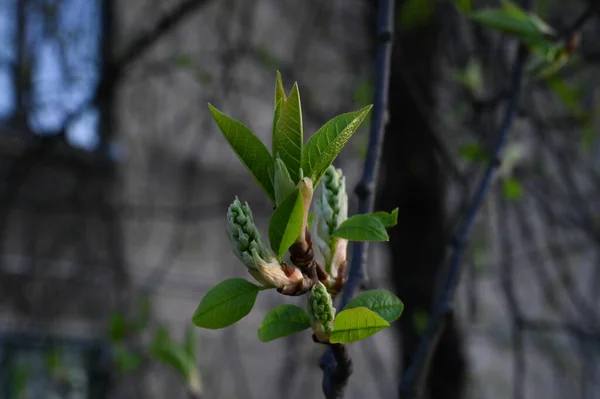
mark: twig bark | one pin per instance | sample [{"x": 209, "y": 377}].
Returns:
[
  {"x": 412, "y": 384},
  {"x": 335, "y": 367}
]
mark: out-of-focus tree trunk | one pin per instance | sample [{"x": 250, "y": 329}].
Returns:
[{"x": 414, "y": 181}]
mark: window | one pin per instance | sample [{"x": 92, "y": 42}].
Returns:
[
  {"x": 50, "y": 63},
  {"x": 34, "y": 367}
]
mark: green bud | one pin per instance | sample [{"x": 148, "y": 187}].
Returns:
[
  {"x": 332, "y": 210},
  {"x": 248, "y": 245},
  {"x": 260, "y": 261},
  {"x": 321, "y": 311},
  {"x": 282, "y": 181}
]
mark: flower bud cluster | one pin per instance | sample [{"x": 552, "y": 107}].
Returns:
[
  {"x": 332, "y": 209},
  {"x": 321, "y": 311}
]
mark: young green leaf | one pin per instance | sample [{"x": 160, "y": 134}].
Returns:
[
  {"x": 118, "y": 327},
  {"x": 170, "y": 353},
  {"x": 279, "y": 100},
  {"x": 125, "y": 359},
  {"x": 463, "y": 5},
  {"x": 474, "y": 153},
  {"x": 382, "y": 302},
  {"x": 387, "y": 219},
  {"x": 190, "y": 342},
  {"x": 352, "y": 325},
  {"x": 287, "y": 139},
  {"x": 415, "y": 13},
  {"x": 226, "y": 303},
  {"x": 286, "y": 223},
  {"x": 362, "y": 227},
  {"x": 281, "y": 321},
  {"x": 248, "y": 148},
  {"x": 327, "y": 142},
  {"x": 513, "y": 190},
  {"x": 513, "y": 20}
]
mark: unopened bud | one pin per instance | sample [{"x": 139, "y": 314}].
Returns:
[
  {"x": 321, "y": 311},
  {"x": 260, "y": 261},
  {"x": 332, "y": 210}
]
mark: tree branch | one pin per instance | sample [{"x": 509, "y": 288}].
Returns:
[
  {"x": 412, "y": 383},
  {"x": 336, "y": 374}
]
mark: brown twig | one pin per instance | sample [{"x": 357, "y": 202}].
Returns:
[{"x": 338, "y": 373}]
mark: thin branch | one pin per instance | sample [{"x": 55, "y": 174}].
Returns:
[
  {"x": 444, "y": 303},
  {"x": 338, "y": 372},
  {"x": 333, "y": 384}
]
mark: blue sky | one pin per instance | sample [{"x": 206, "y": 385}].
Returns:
[{"x": 66, "y": 52}]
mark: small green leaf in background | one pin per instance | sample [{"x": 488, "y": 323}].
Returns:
[
  {"x": 415, "y": 13},
  {"x": 286, "y": 223},
  {"x": 266, "y": 58},
  {"x": 189, "y": 344},
  {"x": 463, "y": 5},
  {"x": 287, "y": 140},
  {"x": 472, "y": 77},
  {"x": 117, "y": 329},
  {"x": 513, "y": 190},
  {"x": 170, "y": 353},
  {"x": 249, "y": 149},
  {"x": 362, "y": 228},
  {"x": 474, "y": 153},
  {"x": 144, "y": 309},
  {"x": 125, "y": 359},
  {"x": 352, "y": 325},
  {"x": 388, "y": 219},
  {"x": 226, "y": 303},
  {"x": 185, "y": 61},
  {"x": 420, "y": 321},
  {"x": 324, "y": 146},
  {"x": 513, "y": 20},
  {"x": 281, "y": 321},
  {"x": 380, "y": 301}
]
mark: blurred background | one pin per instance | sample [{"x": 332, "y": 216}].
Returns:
[{"x": 116, "y": 182}]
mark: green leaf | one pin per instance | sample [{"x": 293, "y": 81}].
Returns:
[
  {"x": 185, "y": 61},
  {"x": 415, "y": 13},
  {"x": 281, "y": 321},
  {"x": 513, "y": 20},
  {"x": 287, "y": 139},
  {"x": 266, "y": 58},
  {"x": 474, "y": 153},
  {"x": 513, "y": 190},
  {"x": 279, "y": 100},
  {"x": 420, "y": 320},
  {"x": 189, "y": 344},
  {"x": 362, "y": 228},
  {"x": 249, "y": 149},
  {"x": 126, "y": 360},
  {"x": 472, "y": 77},
  {"x": 327, "y": 142},
  {"x": 144, "y": 309},
  {"x": 352, "y": 325},
  {"x": 117, "y": 329},
  {"x": 382, "y": 302},
  {"x": 226, "y": 303},
  {"x": 286, "y": 223},
  {"x": 388, "y": 219},
  {"x": 170, "y": 353},
  {"x": 463, "y": 5}
]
